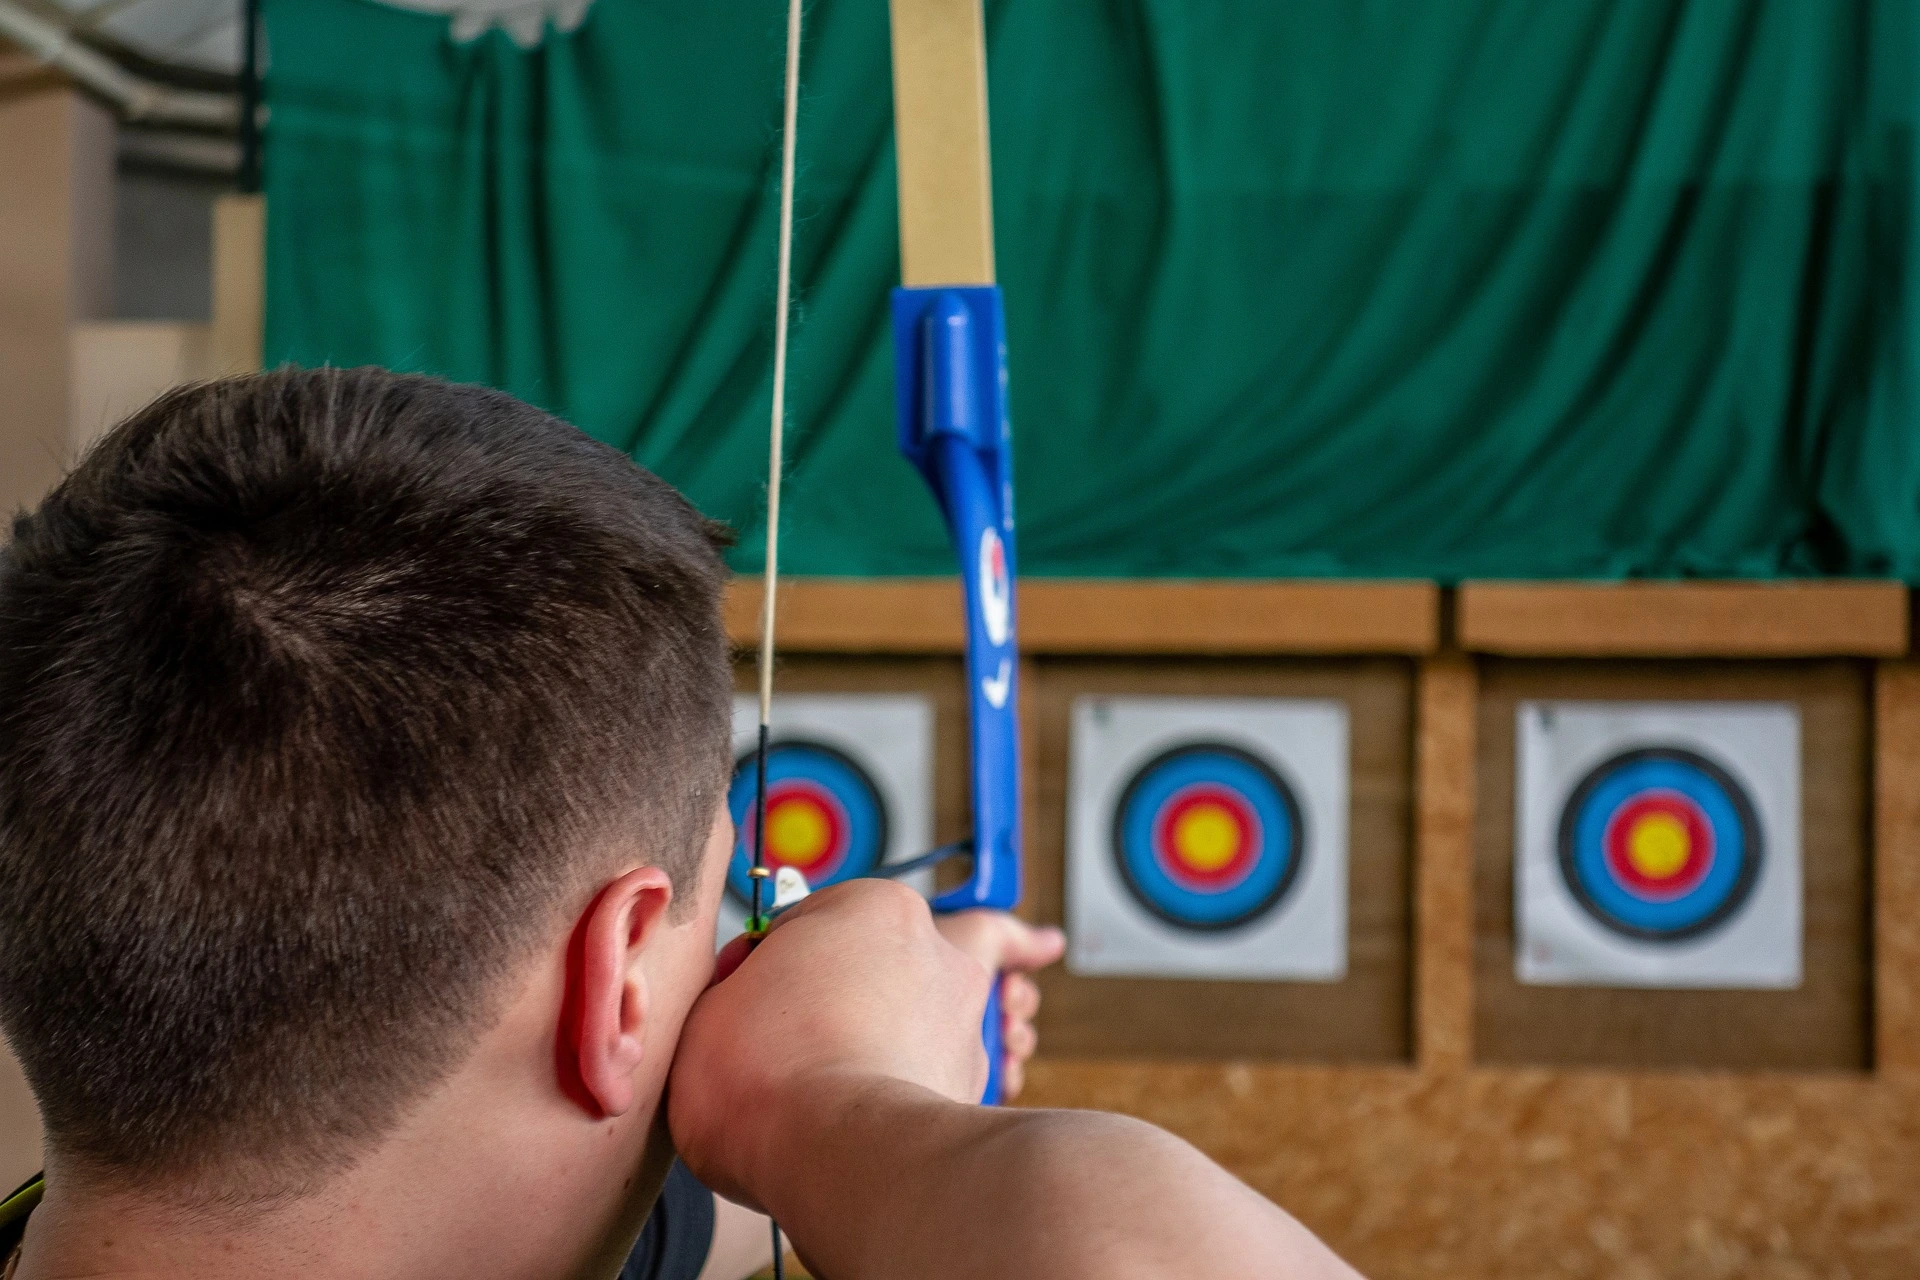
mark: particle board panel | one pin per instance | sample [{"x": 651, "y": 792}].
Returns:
[
  {"x": 1516, "y": 1174},
  {"x": 1684, "y": 619},
  {"x": 1082, "y": 616},
  {"x": 1363, "y": 1018},
  {"x": 1822, "y": 1025}
]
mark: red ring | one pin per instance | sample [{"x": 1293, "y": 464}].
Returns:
[
  {"x": 807, "y": 791},
  {"x": 1700, "y": 845},
  {"x": 1228, "y": 873}
]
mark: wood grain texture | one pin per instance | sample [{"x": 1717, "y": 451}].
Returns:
[
  {"x": 853, "y": 615},
  {"x": 940, "y": 139},
  {"x": 1896, "y": 867},
  {"x": 1443, "y": 864},
  {"x": 1684, "y": 619},
  {"x": 1502, "y": 1174},
  {"x": 1362, "y": 1018},
  {"x": 1822, "y": 1025},
  {"x": 1221, "y": 617},
  {"x": 1064, "y": 616}
]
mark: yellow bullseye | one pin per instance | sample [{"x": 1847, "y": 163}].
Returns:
[
  {"x": 797, "y": 833},
  {"x": 1658, "y": 846},
  {"x": 1206, "y": 837}
]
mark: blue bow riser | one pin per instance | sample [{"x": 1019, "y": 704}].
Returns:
[{"x": 950, "y": 366}]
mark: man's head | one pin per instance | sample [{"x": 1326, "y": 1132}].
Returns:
[{"x": 328, "y": 699}]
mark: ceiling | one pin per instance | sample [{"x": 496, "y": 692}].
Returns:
[
  {"x": 204, "y": 35},
  {"x": 200, "y": 34}
]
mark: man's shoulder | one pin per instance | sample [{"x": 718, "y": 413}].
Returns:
[
  {"x": 679, "y": 1232},
  {"x": 14, "y": 1211}
]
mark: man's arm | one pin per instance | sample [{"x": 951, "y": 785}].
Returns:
[
  {"x": 830, "y": 1079},
  {"x": 876, "y": 1178},
  {"x": 742, "y": 1240}
]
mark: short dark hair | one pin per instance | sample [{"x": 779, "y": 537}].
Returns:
[{"x": 323, "y": 697}]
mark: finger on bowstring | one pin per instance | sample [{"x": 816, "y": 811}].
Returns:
[{"x": 730, "y": 958}]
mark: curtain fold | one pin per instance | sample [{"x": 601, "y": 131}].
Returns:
[{"x": 1463, "y": 289}]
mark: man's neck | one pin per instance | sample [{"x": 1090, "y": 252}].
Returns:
[
  {"x": 496, "y": 1174},
  {"x": 355, "y": 1227},
  {"x": 446, "y": 1194},
  {"x": 84, "y": 1231}
]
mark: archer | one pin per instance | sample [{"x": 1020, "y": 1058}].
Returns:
[{"x": 364, "y": 742}]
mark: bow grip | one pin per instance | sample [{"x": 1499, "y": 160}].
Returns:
[
  {"x": 993, "y": 1035},
  {"x": 950, "y": 384}
]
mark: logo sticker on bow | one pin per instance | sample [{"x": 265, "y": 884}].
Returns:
[{"x": 996, "y": 590}]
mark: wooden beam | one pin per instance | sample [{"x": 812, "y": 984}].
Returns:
[
  {"x": 1896, "y": 867},
  {"x": 1444, "y": 720},
  {"x": 923, "y": 615},
  {"x": 940, "y": 137},
  {"x": 1228, "y": 617},
  {"x": 1684, "y": 619},
  {"x": 853, "y": 615}
]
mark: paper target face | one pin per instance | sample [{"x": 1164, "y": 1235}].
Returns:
[
  {"x": 1207, "y": 838},
  {"x": 849, "y": 787},
  {"x": 825, "y": 816},
  {"x": 1658, "y": 844}
]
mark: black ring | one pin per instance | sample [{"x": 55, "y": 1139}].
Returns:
[
  {"x": 883, "y": 833},
  {"x": 1751, "y": 842},
  {"x": 1289, "y": 803}
]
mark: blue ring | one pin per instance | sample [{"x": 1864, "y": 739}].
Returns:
[
  {"x": 1283, "y": 837},
  {"x": 1737, "y": 844},
  {"x": 824, "y": 766}
]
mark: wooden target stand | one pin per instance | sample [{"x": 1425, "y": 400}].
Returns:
[{"x": 1428, "y": 1115}]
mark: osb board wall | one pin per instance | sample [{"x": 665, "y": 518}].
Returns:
[
  {"x": 1515, "y": 1174},
  {"x": 1822, "y": 1025},
  {"x": 1459, "y": 1166},
  {"x": 1361, "y": 1018},
  {"x": 1464, "y": 1168}
]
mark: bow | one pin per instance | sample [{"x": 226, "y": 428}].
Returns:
[
  {"x": 950, "y": 366},
  {"x": 950, "y": 375}
]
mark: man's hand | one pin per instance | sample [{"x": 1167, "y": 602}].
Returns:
[
  {"x": 1002, "y": 945},
  {"x": 854, "y": 983},
  {"x": 830, "y": 1079},
  {"x": 1013, "y": 948}
]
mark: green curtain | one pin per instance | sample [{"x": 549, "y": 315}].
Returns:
[{"x": 1434, "y": 288}]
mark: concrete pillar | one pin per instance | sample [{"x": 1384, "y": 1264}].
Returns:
[{"x": 56, "y": 269}]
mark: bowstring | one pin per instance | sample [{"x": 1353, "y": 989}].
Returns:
[{"x": 783, "y": 291}]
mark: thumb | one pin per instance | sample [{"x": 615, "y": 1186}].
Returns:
[
  {"x": 1028, "y": 947},
  {"x": 1003, "y": 942}
]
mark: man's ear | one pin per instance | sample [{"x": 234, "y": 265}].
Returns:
[{"x": 604, "y": 1012}]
